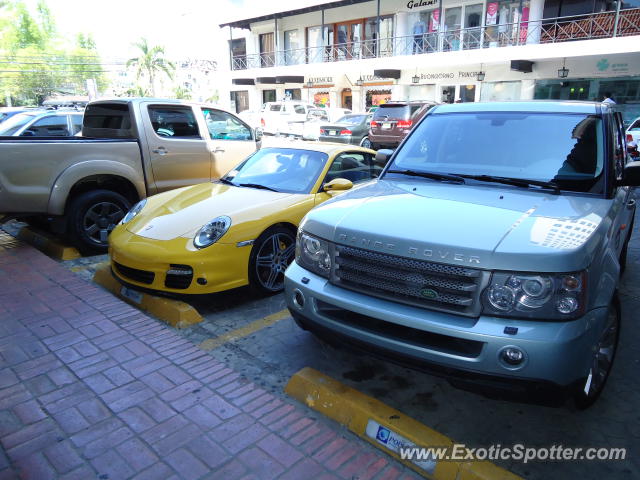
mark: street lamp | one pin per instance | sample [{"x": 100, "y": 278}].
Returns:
[
  {"x": 563, "y": 72},
  {"x": 480, "y": 74}
]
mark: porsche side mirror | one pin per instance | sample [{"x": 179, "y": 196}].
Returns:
[{"x": 338, "y": 184}]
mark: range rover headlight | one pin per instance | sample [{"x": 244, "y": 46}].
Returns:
[
  {"x": 211, "y": 232},
  {"x": 313, "y": 254},
  {"x": 135, "y": 210},
  {"x": 544, "y": 296}
]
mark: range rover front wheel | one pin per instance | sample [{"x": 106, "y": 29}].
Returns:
[{"x": 604, "y": 354}]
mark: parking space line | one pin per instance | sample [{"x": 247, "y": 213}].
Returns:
[
  {"x": 212, "y": 343},
  {"x": 386, "y": 428},
  {"x": 48, "y": 244},
  {"x": 97, "y": 266},
  {"x": 174, "y": 312}
]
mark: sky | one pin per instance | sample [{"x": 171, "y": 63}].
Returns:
[{"x": 187, "y": 29}]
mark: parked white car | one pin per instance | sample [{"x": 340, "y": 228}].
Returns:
[
  {"x": 285, "y": 117},
  {"x": 633, "y": 132}
]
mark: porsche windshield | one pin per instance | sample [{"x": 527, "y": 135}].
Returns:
[
  {"x": 564, "y": 149},
  {"x": 288, "y": 170}
]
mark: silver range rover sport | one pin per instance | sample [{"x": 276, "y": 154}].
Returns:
[{"x": 489, "y": 250}]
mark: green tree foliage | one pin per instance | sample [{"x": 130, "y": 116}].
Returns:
[
  {"x": 35, "y": 62},
  {"x": 150, "y": 63}
]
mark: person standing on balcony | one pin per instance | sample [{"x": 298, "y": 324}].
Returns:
[
  {"x": 419, "y": 30},
  {"x": 607, "y": 98}
]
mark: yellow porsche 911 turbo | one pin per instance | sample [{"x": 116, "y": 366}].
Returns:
[{"x": 238, "y": 230}]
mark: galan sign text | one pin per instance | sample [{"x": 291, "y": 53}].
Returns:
[
  {"x": 323, "y": 80},
  {"x": 420, "y": 4}
]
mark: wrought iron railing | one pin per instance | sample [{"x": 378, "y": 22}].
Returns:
[{"x": 551, "y": 30}]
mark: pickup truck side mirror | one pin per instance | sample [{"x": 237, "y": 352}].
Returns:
[
  {"x": 631, "y": 174},
  {"x": 257, "y": 134},
  {"x": 338, "y": 184},
  {"x": 383, "y": 156}
]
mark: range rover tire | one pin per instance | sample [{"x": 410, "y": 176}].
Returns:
[
  {"x": 92, "y": 216},
  {"x": 588, "y": 391},
  {"x": 271, "y": 254}
]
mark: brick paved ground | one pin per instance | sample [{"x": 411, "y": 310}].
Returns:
[{"x": 90, "y": 387}]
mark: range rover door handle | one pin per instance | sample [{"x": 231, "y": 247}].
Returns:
[{"x": 631, "y": 203}]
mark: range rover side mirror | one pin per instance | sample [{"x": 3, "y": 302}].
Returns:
[
  {"x": 383, "y": 156},
  {"x": 631, "y": 174},
  {"x": 338, "y": 184},
  {"x": 257, "y": 134}
]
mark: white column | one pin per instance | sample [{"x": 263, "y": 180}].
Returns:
[
  {"x": 527, "y": 89},
  {"x": 536, "y": 11},
  {"x": 255, "y": 98},
  {"x": 357, "y": 99},
  {"x": 334, "y": 100}
]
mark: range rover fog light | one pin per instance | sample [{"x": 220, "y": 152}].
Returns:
[
  {"x": 298, "y": 299},
  {"x": 567, "y": 304},
  {"x": 512, "y": 357}
]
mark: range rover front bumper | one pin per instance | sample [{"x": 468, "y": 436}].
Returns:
[{"x": 556, "y": 353}]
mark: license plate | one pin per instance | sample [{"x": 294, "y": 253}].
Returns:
[
  {"x": 131, "y": 294},
  {"x": 386, "y": 125},
  {"x": 333, "y": 132}
]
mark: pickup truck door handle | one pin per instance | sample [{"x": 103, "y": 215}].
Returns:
[
  {"x": 631, "y": 204},
  {"x": 218, "y": 150},
  {"x": 160, "y": 151}
]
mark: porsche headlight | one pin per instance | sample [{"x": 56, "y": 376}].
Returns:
[
  {"x": 211, "y": 232},
  {"x": 137, "y": 208},
  {"x": 544, "y": 296},
  {"x": 313, "y": 254}
]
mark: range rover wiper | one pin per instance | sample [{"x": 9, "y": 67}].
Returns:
[
  {"x": 256, "y": 185},
  {"x": 518, "y": 182},
  {"x": 432, "y": 175}
]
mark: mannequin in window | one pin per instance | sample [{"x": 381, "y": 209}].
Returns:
[
  {"x": 503, "y": 19},
  {"x": 419, "y": 30}
]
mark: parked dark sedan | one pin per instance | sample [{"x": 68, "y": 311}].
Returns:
[{"x": 353, "y": 129}]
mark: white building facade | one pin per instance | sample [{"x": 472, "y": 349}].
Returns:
[{"x": 358, "y": 53}]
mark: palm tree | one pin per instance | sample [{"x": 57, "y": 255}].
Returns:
[{"x": 151, "y": 62}]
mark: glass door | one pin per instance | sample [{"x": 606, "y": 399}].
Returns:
[
  {"x": 472, "y": 37},
  {"x": 267, "y": 50},
  {"x": 452, "y": 29},
  {"x": 315, "y": 45}
]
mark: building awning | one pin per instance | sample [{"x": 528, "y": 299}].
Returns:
[
  {"x": 246, "y": 22},
  {"x": 290, "y": 79},
  {"x": 387, "y": 73},
  {"x": 266, "y": 80},
  {"x": 243, "y": 81}
]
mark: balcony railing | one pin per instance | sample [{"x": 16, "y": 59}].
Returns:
[{"x": 552, "y": 30}]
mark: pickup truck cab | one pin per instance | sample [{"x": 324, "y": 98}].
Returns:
[
  {"x": 129, "y": 149},
  {"x": 488, "y": 251}
]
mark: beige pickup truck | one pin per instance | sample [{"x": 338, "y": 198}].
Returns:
[{"x": 129, "y": 149}]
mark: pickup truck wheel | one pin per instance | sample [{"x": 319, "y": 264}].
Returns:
[
  {"x": 604, "y": 354},
  {"x": 272, "y": 253},
  {"x": 92, "y": 217}
]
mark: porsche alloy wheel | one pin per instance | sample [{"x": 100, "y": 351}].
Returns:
[{"x": 272, "y": 254}]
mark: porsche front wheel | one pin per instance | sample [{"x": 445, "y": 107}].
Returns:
[{"x": 272, "y": 253}]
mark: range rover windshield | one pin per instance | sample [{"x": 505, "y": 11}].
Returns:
[{"x": 564, "y": 151}]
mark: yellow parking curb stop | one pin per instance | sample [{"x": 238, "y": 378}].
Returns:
[
  {"x": 174, "y": 312},
  {"x": 48, "y": 244},
  {"x": 386, "y": 427}
]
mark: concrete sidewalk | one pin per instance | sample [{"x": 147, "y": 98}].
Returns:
[{"x": 91, "y": 388}]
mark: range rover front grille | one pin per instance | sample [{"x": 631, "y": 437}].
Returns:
[
  {"x": 140, "y": 276},
  {"x": 432, "y": 285}
]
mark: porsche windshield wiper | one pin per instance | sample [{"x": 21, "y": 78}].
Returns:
[
  {"x": 226, "y": 181},
  {"x": 517, "y": 182},
  {"x": 256, "y": 185},
  {"x": 432, "y": 175}
]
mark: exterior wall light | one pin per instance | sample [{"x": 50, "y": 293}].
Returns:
[
  {"x": 563, "y": 72},
  {"x": 480, "y": 74},
  {"x": 359, "y": 82},
  {"x": 415, "y": 79}
]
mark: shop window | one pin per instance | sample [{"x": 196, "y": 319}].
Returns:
[
  {"x": 293, "y": 94},
  {"x": 241, "y": 100},
  {"x": 268, "y": 96},
  {"x": 500, "y": 91}
]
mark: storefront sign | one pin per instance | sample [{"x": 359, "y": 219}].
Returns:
[
  {"x": 467, "y": 75},
  {"x": 414, "y": 5},
  {"x": 321, "y": 80}
]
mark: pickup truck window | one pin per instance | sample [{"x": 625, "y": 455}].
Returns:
[
  {"x": 15, "y": 123},
  {"x": 76, "y": 124},
  {"x": 566, "y": 149},
  {"x": 275, "y": 108},
  {"x": 223, "y": 126},
  {"x": 51, "y": 126},
  {"x": 174, "y": 122}
]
